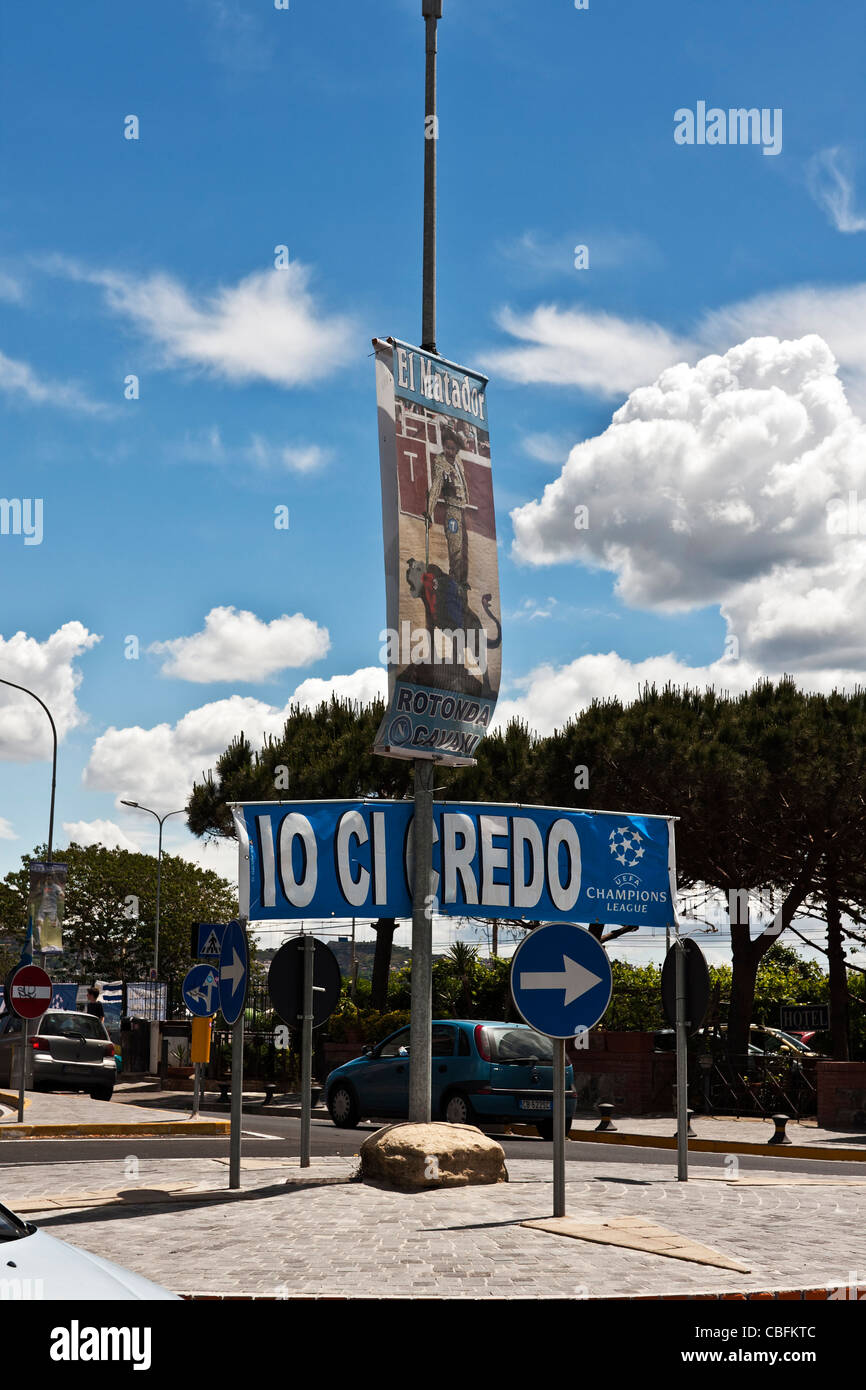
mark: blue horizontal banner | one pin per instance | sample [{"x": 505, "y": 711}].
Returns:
[{"x": 310, "y": 859}]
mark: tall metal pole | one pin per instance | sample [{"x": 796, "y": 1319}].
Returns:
[
  {"x": 159, "y": 884},
  {"x": 237, "y": 1102},
  {"x": 154, "y": 1023},
  {"x": 432, "y": 12},
  {"x": 25, "y": 1041},
  {"x": 682, "y": 1066},
  {"x": 421, "y": 1002},
  {"x": 307, "y": 1048},
  {"x": 559, "y": 1127}
]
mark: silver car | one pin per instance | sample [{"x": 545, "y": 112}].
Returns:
[{"x": 64, "y": 1052}]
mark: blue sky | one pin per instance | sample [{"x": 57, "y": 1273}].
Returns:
[{"x": 260, "y": 128}]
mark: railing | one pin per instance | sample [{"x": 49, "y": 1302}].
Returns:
[{"x": 754, "y": 1085}]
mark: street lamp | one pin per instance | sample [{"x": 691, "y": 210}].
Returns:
[
  {"x": 161, "y": 819},
  {"x": 54, "y": 759}
]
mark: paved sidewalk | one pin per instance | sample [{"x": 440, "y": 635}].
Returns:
[
  {"x": 314, "y": 1237},
  {"x": 70, "y": 1111}
]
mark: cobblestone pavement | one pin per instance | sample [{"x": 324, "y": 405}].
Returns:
[{"x": 279, "y": 1239}]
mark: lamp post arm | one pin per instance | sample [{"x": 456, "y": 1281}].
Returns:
[{"x": 53, "y": 760}]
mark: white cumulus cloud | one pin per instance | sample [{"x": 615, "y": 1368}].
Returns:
[
  {"x": 48, "y": 669},
  {"x": 611, "y": 356},
  {"x": 157, "y": 766},
  {"x": 572, "y": 347},
  {"x": 99, "y": 832},
  {"x": 6, "y": 830},
  {"x": 712, "y": 486},
  {"x": 549, "y": 695},
  {"x": 237, "y": 646},
  {"x": 267, "y": 327}
]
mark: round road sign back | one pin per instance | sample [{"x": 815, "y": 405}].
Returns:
[
  {"x": 697, "y": 985},
  {"x": 286, "y": 982},
  {"x": 30, "y": 991}
]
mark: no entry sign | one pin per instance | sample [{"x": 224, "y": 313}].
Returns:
[{"x": 30, "y": 991}]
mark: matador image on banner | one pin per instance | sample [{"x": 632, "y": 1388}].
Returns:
[{"x": 443, "y": 641}]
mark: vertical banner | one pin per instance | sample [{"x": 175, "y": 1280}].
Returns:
[
  {"x": 46, "y": 905},
  {"x": 443, "y": 642}
]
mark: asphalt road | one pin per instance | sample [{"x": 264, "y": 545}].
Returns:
[{"x": 278, "y": 1136}]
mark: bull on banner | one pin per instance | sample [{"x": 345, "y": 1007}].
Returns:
[{"x": 443, "y": 643}]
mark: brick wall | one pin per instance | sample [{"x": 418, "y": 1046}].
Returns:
[
  {"x": 623, "y": 1068},
  {"x": 842, "y": 1095}
]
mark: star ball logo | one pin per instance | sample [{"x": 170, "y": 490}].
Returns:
[{"x": 625, "y": 845}]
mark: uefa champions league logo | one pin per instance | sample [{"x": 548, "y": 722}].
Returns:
[{"x": 625, "y": 845}]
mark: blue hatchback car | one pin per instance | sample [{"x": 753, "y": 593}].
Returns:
[{"x": 482, "y": 1074}]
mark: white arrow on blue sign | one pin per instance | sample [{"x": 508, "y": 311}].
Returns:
[
  {"x": 201, "y": 990},
  {"x": 561, "y": 980},
  {"x": 234, "y": 972}
]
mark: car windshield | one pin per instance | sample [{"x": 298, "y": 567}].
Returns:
[
  {"x": 519, "y": 1045},
  {"x": 11, "y": 1228},
  {"x": 59, "y": 1025}
]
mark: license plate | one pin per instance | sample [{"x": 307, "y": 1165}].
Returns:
[{"x": 535, "y": 1105}]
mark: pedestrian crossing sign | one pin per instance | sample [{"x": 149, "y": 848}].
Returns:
[{"x": 207, "y": 939}]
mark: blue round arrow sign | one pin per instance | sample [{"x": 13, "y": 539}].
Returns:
[
  {"x": 201, "y": 990},
  {"x": 561, "y": 980},
  {"x": 234, "y": 972}
]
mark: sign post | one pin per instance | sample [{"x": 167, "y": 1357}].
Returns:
[
  {"x": 200, "y": 1053},
  {"x": 304, "y": 985},
  {"x": 682, "y": 1066},
  {"x": 29, "y": 995},
  {"x": 685, "y": 996},
  {"x": 307, "y": 1050},
  {"x": 561, "y": 983},
  {"x": 200, "y": 987},
  {"x": 234, "y": 977}
]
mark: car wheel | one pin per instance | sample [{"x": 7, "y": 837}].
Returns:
[
  {"x": 102, "y": 1093},
  {"x": 457, "y": 1110},
  {"x": 343, "y": 1107}
]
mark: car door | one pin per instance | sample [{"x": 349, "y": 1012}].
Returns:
[
  {"x": 383, "y": 1086},
  {"x": 443, "y": 1062}
]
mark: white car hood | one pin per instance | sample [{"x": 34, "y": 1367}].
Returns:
[{"x": 67, "y": 1272}]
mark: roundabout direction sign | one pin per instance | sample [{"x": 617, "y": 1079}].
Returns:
[
  {"x": 561, "y": 980},
  {"x": 201, "y": 990}
]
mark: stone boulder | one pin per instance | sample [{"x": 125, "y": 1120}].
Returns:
[{"x": 415, "y": 1157}]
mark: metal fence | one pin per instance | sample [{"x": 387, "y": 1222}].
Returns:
[{"x": 754, "y": 1085}]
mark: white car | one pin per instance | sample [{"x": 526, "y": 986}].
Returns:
[{"x": 37, "y": 1266}]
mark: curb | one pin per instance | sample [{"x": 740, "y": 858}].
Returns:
[
  {"x": 748, "y": 1296},
  {"x": 722, "y": 1146},
  {"x": 146, "y": 1129},
  {"x": 10, "y": 1098}
]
